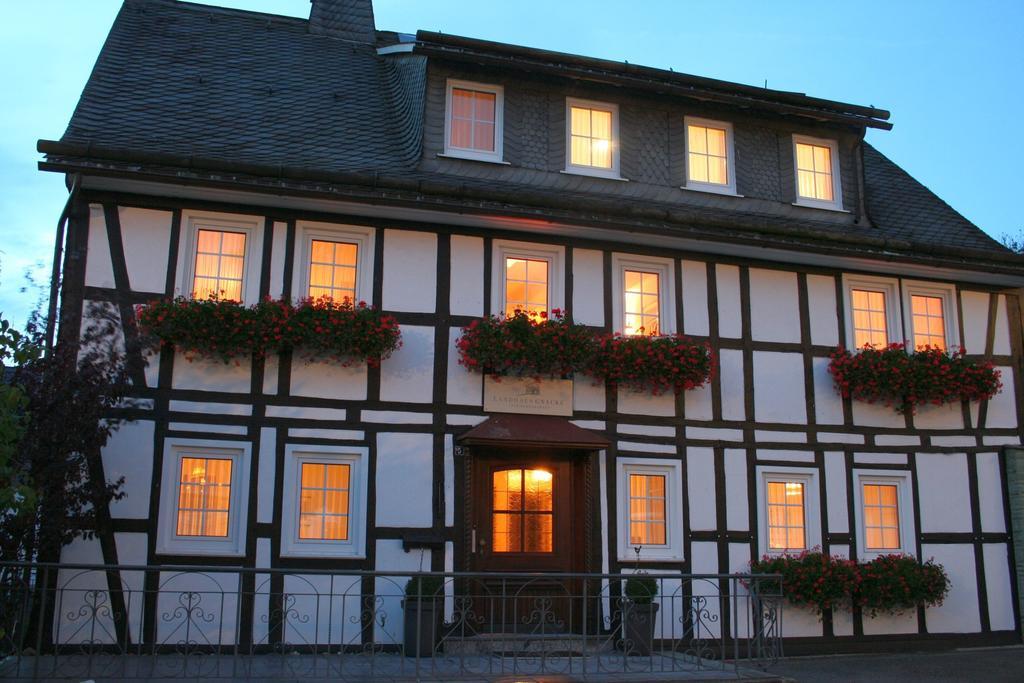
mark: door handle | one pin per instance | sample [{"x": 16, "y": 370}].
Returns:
[{"x": 472, "y": 540}]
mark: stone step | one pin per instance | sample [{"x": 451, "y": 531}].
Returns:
[{"x": 528, "y": 644}]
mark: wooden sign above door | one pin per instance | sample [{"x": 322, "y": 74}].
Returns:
[{"x": 528, "y": 396}]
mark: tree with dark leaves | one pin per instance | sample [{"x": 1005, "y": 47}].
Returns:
[
  {"x": 1014, "y": 243},
  {"x": 64, "y": 409}
]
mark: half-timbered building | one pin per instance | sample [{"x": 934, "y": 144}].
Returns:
[{"x": 444, "y": 179}]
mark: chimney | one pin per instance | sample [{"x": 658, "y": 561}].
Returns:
[{"x": 345, "y": 19}]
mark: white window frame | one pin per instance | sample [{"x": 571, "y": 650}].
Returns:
[
  {"x": 613, "y": 172},
  {"x": 502, "y": 250},
  {"x": 672, "y": 551},
  {"x": 357, "y": 458},
  {"x": 362, "y": 237},
  {"x": 812, "y": 505},
  {"x": 908, "y": 533},
  {"x": 499, "y": 122},
  {"x": 837, "y": 186},
  {"x": 890, "y": 288},
  {"x": 665, "y": 268},
  {"x": 728, "y": 188},
  {"x": 168, "y": 541},
  {"x": 950, "y": 320},
  {"x": 252, "y": 226}
]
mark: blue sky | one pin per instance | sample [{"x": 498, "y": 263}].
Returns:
[{"x": 951, "y": 73}]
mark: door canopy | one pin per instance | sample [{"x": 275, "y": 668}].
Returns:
[{"x": 532, "y": 430}]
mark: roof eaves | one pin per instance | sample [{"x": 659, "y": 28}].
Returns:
[{"x": 76, "y": 157}]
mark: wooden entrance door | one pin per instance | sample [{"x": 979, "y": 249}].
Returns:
[{"x": 527, "y": 517}]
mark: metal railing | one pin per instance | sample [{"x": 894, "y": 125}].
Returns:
[{"x": 116, "y": 622}]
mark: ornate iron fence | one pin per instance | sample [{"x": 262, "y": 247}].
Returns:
[{"x": 118, "y": 622}]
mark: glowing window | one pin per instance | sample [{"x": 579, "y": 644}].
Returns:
[
  {"x": 881, "y": 516},
  {"x": 473, "y": 119},
  {"x": 641, "y": 305},
  {"x": 707, "y": 155},
  {"x": 786, "y": 522},
  {"x": 591, "y": 137},
  {"x": 522, "y": 517},
  {"x": 869, "y": 318},
  {"x": 526, "y": 286},
  {"x": 204, "y": 497},
  {"x": 332, "y": 270},
  {"x": 220, "y": 264},
  {"x": 647, "y": 509},
  {"x": 814, "y": 172},
  {"x": 928, "y": 321},
  {"x": 324, "y": 501}
]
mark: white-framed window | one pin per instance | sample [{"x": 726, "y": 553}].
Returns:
[
  {"x": 528, "y": 277},
  {"x": 709, "y": 156},
  {"x": 650, "y": 509},
  {"x": 324, "y": 505},
  {"x": 592, "y": 138},
  {"x": 473, "y": 122},
  {"x": 930, "y": 317},
  {"x": 221, "y": 256},
  {"x": 883, "y": 511},
  {"x": 816, "y": 168},
  {"x": 789, "y": 514},
  {"x": 204, "y": 495},
  {"x": 335, "y": 261},
  {"x": 872, "y": 311},
  {"x": 644, "y": 290}
]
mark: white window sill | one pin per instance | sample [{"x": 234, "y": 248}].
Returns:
[
  {"x": 468, "y": 157},
  {"x": 302, "y": 550},
  {"x": 668, "y": 557},
  {"x": 596, "y": 173},
  {"x": 711, "y": 189},
  {"x": 823, "y": 207}
]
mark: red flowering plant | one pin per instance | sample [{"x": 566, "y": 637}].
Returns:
[
  {"x": 905, "y": 380},
  {"x": 215, "y": 328},
  {"x": 812, "y": 578},
  {"x": 227, "y": 330},
  {"x": 888, "y": 583},
  {"x": 525, "y": 345},
  {"x": 655, "y": 363},
  {"x": 896, "y": 583}
]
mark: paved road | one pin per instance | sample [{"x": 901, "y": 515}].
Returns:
[{"x": 976, "y": 664}]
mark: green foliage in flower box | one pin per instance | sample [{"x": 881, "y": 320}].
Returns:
[
  {"x": 904, "y": 380},
  {"x": 314, "y": 328},
  {"x": 545, "y": 346},
  {"x": 658, "y": 364},
  {"x": 888, "y": 583},
  {"x": 555, "y": 346}
]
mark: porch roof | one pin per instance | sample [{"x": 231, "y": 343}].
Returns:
[{"x": 532, "y": 430}]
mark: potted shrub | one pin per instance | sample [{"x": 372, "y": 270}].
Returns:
[
  {"x": 423, "y": 608},
  {"x": 639, "y": 613}
]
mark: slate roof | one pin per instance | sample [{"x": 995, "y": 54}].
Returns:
[
  {"x": 197, "y": 86},
  {"x": 193, "y": 79},
  {"x": 910, "y": 211}
]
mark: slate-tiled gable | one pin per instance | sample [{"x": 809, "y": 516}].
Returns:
[
  {"x": 191, "y": 79},
  {"x": 241, "y": 87},
  {"x": 911, "y": 211}
]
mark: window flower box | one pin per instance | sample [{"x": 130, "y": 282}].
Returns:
[
  {"x": 521, "y": 345},
  {"x": 888, "y": 583},
  {"x": 315, "y": 328},
  {"x": 554, "y": 346},
  {"x": 904, "y": 380},
  {"x": 658, "y": 364}
]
